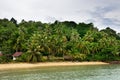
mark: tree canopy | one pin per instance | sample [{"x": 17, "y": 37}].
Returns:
[{"x": 65, "y": 40}]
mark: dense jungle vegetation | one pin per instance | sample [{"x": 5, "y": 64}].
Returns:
[{"x": 58, "y": 41}]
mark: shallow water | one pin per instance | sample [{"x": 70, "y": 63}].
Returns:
[{"x": 96, "y": 72}]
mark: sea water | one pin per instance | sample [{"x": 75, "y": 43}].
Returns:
[{"x": 93, "y": 72}]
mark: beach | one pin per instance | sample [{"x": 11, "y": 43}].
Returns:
[{"x": 46, "y": 64}]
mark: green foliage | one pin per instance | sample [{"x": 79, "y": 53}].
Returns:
[
  {"x": 5, "y": 59},
  {"x": 111, "y": 32},
  {"x": 7, "y": 30},
  {"x": 79, "y": 57},
  {"x": 48, "y": 41}
]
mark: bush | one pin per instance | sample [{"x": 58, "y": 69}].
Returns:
[
  {"x": 5, "y": 59},
  {"x": 79, "y": 57}
]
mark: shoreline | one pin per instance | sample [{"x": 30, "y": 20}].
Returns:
[{"x": 46, "y": 64}]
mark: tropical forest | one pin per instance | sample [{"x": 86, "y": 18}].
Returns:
[{"x": 57, "y": 41}]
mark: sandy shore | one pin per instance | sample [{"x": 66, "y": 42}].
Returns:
[{"x": 46, "y": 64}]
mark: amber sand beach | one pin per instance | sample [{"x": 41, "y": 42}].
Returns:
[{"x": 46, "y": 64}]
